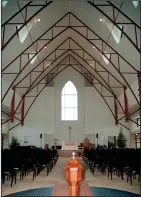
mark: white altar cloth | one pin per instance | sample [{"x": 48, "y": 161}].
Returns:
[{"x": 73, "y": 145}]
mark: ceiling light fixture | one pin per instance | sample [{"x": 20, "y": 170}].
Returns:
[
  {"x": 45, "y": 47},
  {"x": 93, "y": 47},
  {"x": 38, "y": 20},
  {"x": 101, "y": 20}
]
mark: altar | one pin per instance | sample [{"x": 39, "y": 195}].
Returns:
[{"x": 73, "y": 145}]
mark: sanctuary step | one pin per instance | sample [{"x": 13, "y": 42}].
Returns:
[{"x": 67, "y": 153}]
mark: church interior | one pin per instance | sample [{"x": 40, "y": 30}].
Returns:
[{"x": 70, "y": 98}]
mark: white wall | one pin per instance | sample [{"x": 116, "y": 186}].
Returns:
[
  {"x": 45, "y": 115},
  {"x": 61, "y": 127},
  {"x": 98, "y": 118},
  {"x": 39, "y": 120},
  {"x": 5, "y": 132},
  {"x": 6, "y": 141},
  {"x": 134, "y": 128}
]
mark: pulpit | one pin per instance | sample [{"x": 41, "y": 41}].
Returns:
[{"x": 74, "y": 174}]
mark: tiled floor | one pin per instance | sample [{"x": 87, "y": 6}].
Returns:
[{"x": 58, "y": 176}]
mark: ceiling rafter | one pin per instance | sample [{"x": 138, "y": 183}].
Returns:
[
  {"x": 101, "y": 93},
  {"x": 117, "y": 24},
  {"x": 98, "y": 72},
  {"x": 6, "y": 113},
  {"x": 55, "y": 56},
  {"x": 45, "y": 76},
  {"x": 25, "y": 22},
  {"x": 87, "y": 40},
  {"x": 54, "y": 51},
  {"x": 30, "y": 61},
  {"x": 112, "y": 63},
  {"x": 29, "y": 88},
  {"x": 62, "y": 64},
  {"x": 111, "y": 91},
  {"x": 67, "y": 65},
  {"x": 35, "y": 42},
  {"x": 41, "y": 72},
  {"x": 37, "y": 96},
  {"x": 36, "y": 85},
  {"x": 86, "y": 37},
  {"x": 103, "y": 42},
  {"x": 106, "y": 70},
  {"x": 79, "y": 64}
]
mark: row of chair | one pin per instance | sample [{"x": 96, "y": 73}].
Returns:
[
  {"x": 115, "y": 161},
  {"x": 24, "y": 161}
]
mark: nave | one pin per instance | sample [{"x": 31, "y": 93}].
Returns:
[
  {"x": 71, "y": 81},
  {"x": 57, "y": 176}
]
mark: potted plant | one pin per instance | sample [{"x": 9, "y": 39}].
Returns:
[
  {"x": 14, "y": 142},
  {"x": 121, "y": 140}
]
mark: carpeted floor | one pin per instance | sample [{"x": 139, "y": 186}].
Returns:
[
  {"x": 35, "y": 192},
  {"x": 97, "y": 191},
  {"x": 100, "y": 191}
]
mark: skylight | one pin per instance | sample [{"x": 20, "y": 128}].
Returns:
[
  {"x": 33, "y": 60},
  {"x": 116, "y": 33},
  {"x": 135, "y": 3},
  {"x": 24, "y": 31},
  {"x": 4, "y": 3},
  {"x": 105, "y": 59}
]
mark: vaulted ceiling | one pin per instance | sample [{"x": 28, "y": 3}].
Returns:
[{"x": 100, "y": 39}]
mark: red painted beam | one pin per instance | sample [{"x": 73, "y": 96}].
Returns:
[
  {"x": 22, "y": 112},
  {"x": 116, "y": 111},
  {"x": 126, "y": 105},
  {"x": 13, "y": 106}
]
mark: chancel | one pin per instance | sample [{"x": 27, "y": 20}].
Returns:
[{"x": 71, "y": 91}]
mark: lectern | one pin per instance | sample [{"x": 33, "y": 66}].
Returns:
[{"x": 74, "y": 174}]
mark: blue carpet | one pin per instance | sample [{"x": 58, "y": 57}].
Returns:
[
  {"x": 100, "y": 191},
  {"x": 47, "y": 191},
  {"x": 97, "y": 191}
]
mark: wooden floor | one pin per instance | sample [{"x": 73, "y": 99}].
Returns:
[{"x": 57, "y": 176}]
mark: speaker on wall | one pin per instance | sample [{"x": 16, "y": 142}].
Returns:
[
  {"x": 96, "y": 135},
  {"x": 40, "y": 135}
]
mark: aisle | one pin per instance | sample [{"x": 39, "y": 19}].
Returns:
[{"x": 58, "y": 172}]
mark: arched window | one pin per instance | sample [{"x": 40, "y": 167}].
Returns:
[{"x": 69, "y": 102}]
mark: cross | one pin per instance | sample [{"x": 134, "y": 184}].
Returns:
[
  {"x": 69, "y": 128},
  {"x": 73, "y": 155}
]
